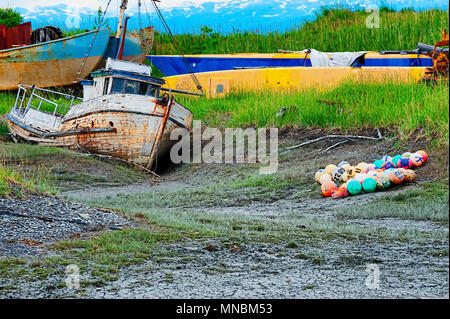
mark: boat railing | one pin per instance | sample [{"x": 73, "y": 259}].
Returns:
[{"x": 41, "y": 103}]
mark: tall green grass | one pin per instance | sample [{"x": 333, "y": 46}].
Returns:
[
  {"x": 333, "y": 30},
  {"x": 390, "y": 105},
  {"x": 13, "y": 182},
  {"x": 405, "y": 107},
  {"x": 8, "y": 98},
  {"x": 6, "y": 103}
]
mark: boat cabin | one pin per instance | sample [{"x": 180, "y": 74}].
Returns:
[
  {"x": 122, "y": 77},
  {"x": 38, "y": 113}
]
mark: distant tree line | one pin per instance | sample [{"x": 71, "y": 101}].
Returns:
[{"x": 10, "y": 17}]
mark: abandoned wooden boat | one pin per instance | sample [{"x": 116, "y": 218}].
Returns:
[
  {"x": 122, "y": 115},
  {"x": 54, "y": 63}
]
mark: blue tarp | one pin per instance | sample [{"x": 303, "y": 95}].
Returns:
[
  {"x": 174, "y": 65},
  {"x": 403, "y": 62}
]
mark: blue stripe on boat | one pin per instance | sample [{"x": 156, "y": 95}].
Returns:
[
  {"x": 173, "y": 65},
  {"x": 402, "y": 62},
  {"x": 74, "y": 47}
]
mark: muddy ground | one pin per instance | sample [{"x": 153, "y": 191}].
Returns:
[{"x": 242, "y": 235}]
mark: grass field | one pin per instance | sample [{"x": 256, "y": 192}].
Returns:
[
  {"x": 334, "y": 30},
  {"x": 402, "y": 107},
  {"x": 6, "y": 102},
  {"x": 15, "y": 183}
]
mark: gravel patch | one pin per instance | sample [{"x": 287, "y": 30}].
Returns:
[{"x": 26, "y": 225}]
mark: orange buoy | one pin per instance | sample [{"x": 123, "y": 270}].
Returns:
[
  {"x": 396, "y": 176},
  {"x": 424, "y": 155},
  {"x": 417, "y": 159},
  {"x": 339, "y": 192},
  {"x": 327, "y": 188},
  {"x": 410, "y": 175}
]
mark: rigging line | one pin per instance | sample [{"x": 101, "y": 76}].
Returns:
[
  {"x": 146, "y": 42},
  {"x": 153, "y": 37},
  {"x": 139, "y": 15},
  {"x": 90, "y": 48},
  {"x": 146, "y": 12},
  {"x": 175, "y": 43},
  {"x": 141, "y": 32},
  {"x": 150, "y": 52}
]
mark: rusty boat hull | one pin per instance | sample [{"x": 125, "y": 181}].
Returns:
[
  {"x": 134, "y": 130},
  {"x": 55, "y": 63},
  {"x": 122, "y": 126}
]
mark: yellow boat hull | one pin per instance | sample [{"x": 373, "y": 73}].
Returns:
[{"x": 219, "y": 83}]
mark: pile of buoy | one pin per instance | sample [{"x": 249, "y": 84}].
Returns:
[{"x": 368, "y": 178}]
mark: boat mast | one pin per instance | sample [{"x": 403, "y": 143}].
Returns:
[
  {"x": 123, "y": 7},
  {"x": 176, "y": 46}
]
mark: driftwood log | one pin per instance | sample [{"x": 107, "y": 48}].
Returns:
[
  {"x": 336, "y": 145},
  {"x": 348, "y": 137}
]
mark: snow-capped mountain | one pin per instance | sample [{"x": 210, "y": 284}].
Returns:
[{"x": 221, "y": 16}]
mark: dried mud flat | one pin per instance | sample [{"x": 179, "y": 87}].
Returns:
[
  {"x": 269, "y": 271},
  {"x": 333, "y": 258},
  {"x": 326, "y": 269}
]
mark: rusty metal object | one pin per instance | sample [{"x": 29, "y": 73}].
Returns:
[
  {"x": 138, "y": 135},
  {"x": 17, "y": 36},
  {"x": 440, "y": 70},
  {"x": 148, "y": 36},
  {"x": 441, "y": 59},
  {"x": 141, "y": 136},
  {"x": 125, "y": 138},
  {"x": 45, "y": 74},
  {"x": 54, "y": 63}
]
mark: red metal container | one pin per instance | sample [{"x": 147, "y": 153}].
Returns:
[
  {"x": 15, "y": 36},
  {"x": 2, "y": 36}
]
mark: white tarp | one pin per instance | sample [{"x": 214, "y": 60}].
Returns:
[
  {"x": 322, "y": 59},
  {"x": 122, "y": 65}
]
